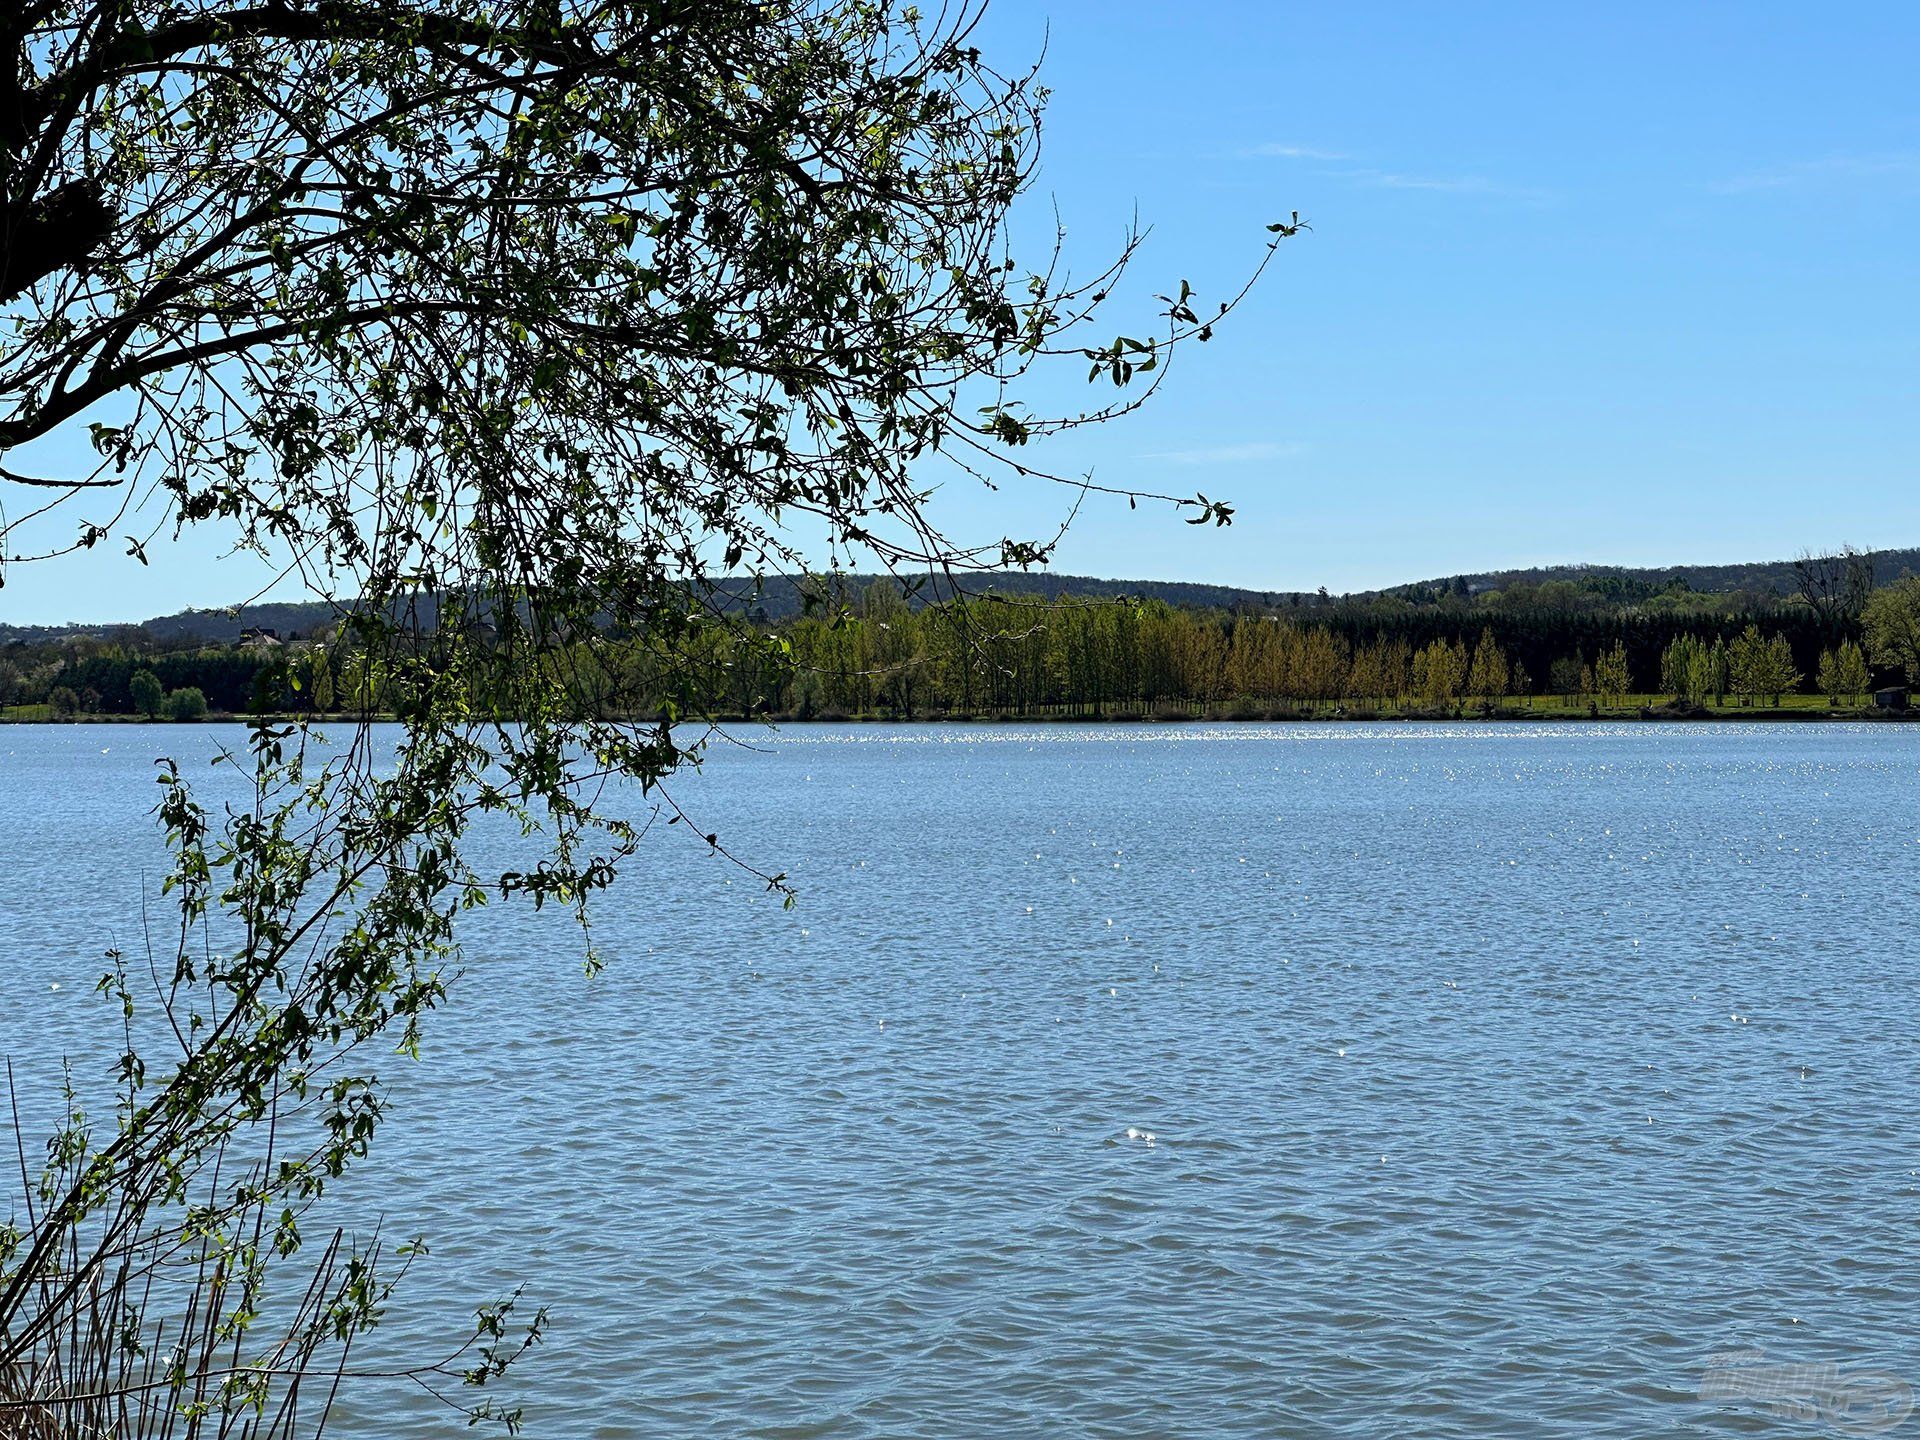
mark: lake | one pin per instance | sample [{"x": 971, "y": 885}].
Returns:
[{"x": 1501, "y": 1080}]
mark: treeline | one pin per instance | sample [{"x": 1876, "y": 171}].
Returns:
[
  {"x": 98, "y": 677},
  {"x": 1030, "y": 658},
  {"x": 874, "y": 653}
]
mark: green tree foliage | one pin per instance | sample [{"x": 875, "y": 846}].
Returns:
[
  {"x": 186, "y": 703},
  {"x": 1892, "y": 624},
  {"x": 1694, "y": 669},
  {"x": 1567, "y": 675},
  {"x": 1852, "y": 669},
  {"x": 523, "y": 327},
  {"x": 1842, "y": 672},
  {"x": 1746, "y": 664},
  {"x": 146, "y": 692},
  {"x": 1778, "y": 674},
  {"x": 1611, "y": 677},
  {"x": 1719, "y": 670},
  {"x": 1439, "y": 672},
  {"x": 1827, "y": 676},
  {"x": 1489, "y": 674},
  {"x": 1680, "y": 668},
  {"x": 876, "y": 650},
  {"x": 1761, "y": 666}
]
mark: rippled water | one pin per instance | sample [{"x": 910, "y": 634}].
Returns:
[{"x": 1499, "y": 1077}]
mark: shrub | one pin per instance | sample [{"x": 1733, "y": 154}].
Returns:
[{"x": 187, "y": 703}]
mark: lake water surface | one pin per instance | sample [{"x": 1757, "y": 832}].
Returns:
[{"x": 1500, "y": 1078}]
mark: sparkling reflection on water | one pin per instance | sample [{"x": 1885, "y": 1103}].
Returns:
[{"x": 1498, "y": 1078}]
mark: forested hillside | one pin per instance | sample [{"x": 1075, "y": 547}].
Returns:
[
  {"x": 779, "y": 597},
  {"x": 853, "y": 647},
  {"x": 1760, "y": 578},
  {"x": 1731, "y": 588}
]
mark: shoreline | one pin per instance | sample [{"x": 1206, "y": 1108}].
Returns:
[{"x": 1236, "y": 716}]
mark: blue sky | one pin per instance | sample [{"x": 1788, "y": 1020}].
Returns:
[
  {"x": 1619, "y": 283},
  {"x": 1626, "y": 282}
]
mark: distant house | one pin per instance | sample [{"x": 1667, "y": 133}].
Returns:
[
  {"x": 259, "y": 638},
  {"x": 1894, "y": 697}
]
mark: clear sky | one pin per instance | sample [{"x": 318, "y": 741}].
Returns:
[{"x": 1624, "y": 282}]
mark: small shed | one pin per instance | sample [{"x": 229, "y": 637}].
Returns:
[{"x": 1894, "y": 697}]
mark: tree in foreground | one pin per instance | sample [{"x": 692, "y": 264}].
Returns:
[{"x": 516, "y": 329}]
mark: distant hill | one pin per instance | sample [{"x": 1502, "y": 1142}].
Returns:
[
  {"x": 207, "y": 626},
  {"x": 780, "y": 597},
  {"x": 1761, "y": 577}
]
